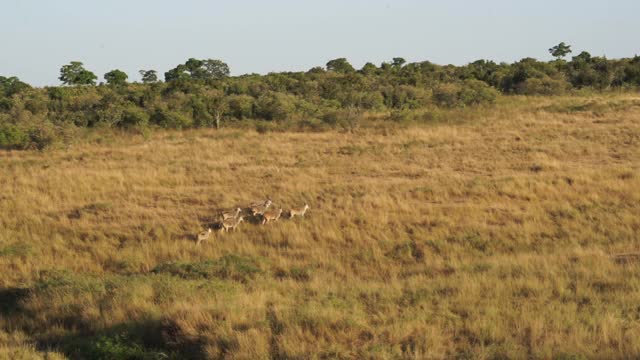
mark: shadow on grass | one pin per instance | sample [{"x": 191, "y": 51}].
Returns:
[{"x": 145, "y": 340}]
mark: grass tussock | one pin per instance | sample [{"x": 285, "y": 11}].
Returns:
[{"x": 509, "y": 234}]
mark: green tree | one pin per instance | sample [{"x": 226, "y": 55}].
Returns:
[
  {"x": 398, "y": 62},
  {"x": 561, "y": 50},
  {"x": 209, "y": 69},
  {"x": 216, "y": 69},
  {"x": 116, "y": 77},
  {"x": 75, "y": 74},
  {"x": 148, "y": 76},
  {"x": 369, "y": 69},
  {"x": 340, "y": 65},
  {"x": 11, "y": 85},
  {"x": 179, "y": 72}
]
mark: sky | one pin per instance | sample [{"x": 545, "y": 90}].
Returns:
[{"x": 37, "y": 37}]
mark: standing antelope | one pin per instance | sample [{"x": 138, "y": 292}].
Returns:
[
  {"x": 260, "y": 209},
  {"x": 231, "y": 223},
  {"x": 271, "y": 215},
  {"x": 299, "y": 211},
  {"x": 231, "y": 214},
  {"x": 203, "y": 236},
  {"x": 266, "y": 203}
]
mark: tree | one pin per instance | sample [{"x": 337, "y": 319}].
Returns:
[
  {"x": 340, "y": 65},
  {"x": 148, "y": 76},
  {"x": 216, "y": 69},
  {"x": 561, "y": 50},
  {"x": 116, "y": 77},
  {"x": 75, "y": 74},
  {"x": 12, "y": 85},
  {"x": 398, "y": 62},
  {"x": 179, "y": 72},
  {"x": 369, "y": 69},
  {"x": 209, "y": 69}
]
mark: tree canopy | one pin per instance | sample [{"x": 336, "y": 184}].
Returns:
[
  {"x": 116, "y": 77},
  {"x": 561, "y": 50},
  {"x": 75, "y": 74}
]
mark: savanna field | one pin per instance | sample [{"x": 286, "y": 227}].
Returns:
[{"x": 508, "y": 231}]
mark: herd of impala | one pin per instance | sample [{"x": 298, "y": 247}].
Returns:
[{"x": 231, "y": 218}]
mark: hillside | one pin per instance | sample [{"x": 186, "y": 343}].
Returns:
[{"x": 493, "y": 232}]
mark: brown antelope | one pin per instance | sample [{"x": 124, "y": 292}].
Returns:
[
  {"x": 203, "y": 236},
  {"x": 271, "y": 215},
  {"x": 260, "y": 209},
  {"x": 299, "y": 211},
  {"x": 231, "y": 214},
  {"x": 261, "y": 203},
  {"x": 231, "y": 223}
]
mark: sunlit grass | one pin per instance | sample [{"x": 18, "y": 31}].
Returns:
[{"x": 490, "y": 237}]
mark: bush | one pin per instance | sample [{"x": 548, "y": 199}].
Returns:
[
  {"x": 11, "y": 137},
  {"x": 542, "y": 86},
  {"x": 470, "y": 92},
  {"x": 275, "y": 106},
  {"x": 171, "y": 119},
  {"x": 42, "y": 135},
  {"x": 241, "y": 106},
  {"x": 134, "y": 117}
]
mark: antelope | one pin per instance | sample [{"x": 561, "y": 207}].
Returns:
[
  {"x": 231, "y": 214},
  {"x": 231, "y": 223},
  {"x": 299, "y": 211},
  {"x": 203, "y": 236},
  {"x": 270, "y": 215},
  {"x": 260, "y": 209},
  {"x": 266, "y": 203}
]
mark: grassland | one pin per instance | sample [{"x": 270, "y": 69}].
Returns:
[{"x": 493, "y": 235}]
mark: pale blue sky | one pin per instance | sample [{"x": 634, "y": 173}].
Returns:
[{"x": 38, "y": 36}]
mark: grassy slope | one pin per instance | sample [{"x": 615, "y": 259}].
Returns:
[{"x": 483, "y": 239}]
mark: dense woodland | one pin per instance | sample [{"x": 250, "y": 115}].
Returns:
[{"x": 200, "y": 93}]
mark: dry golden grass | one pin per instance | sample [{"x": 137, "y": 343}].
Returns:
[{"x": 493, "y": 237}]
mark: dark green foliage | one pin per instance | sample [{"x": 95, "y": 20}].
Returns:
[
  {"x": 120, "y": 347},
  {"x": 470, "y": 92},
  {"x": 340, "y": 65},
  {"x": 12, "y": 85},
  {"x": 171, "y": 119},
  {"x": 398, "y": 62},
  {"x": 587, "y": 71},
  {"x": 116, "y": 77},
  {"x": 369, "y": 69},
  {"x": 199, "y": 69},
  {"x": 518, "y": 78},
  {"x": 149, "y": 76},
  {"x": 134, "y": 117},
  {"x": 200, "y": 93},
  {"x": 75, "y": 74},
  {"x": 561, "y": 50},
  {"x": 36, "y": 135}
]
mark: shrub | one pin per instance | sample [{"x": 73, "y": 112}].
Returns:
[
  {"x": 275, "y": 106},
  {"x": 171, "y": 119},
  {"x": 42, "y": 135},
  {"x": 476, "y": 92},
  {"x": 134, "y": 117},
  {"x": 542, "y": 86},
  {"x": 11, "y": 137},
  {"x": 446, "y": 95},
  {"x": 241, "y": 106},
  {"x": 470, "y": 92}
]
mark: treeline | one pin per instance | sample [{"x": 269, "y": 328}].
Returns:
[{"x": 200, "y": 93}]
